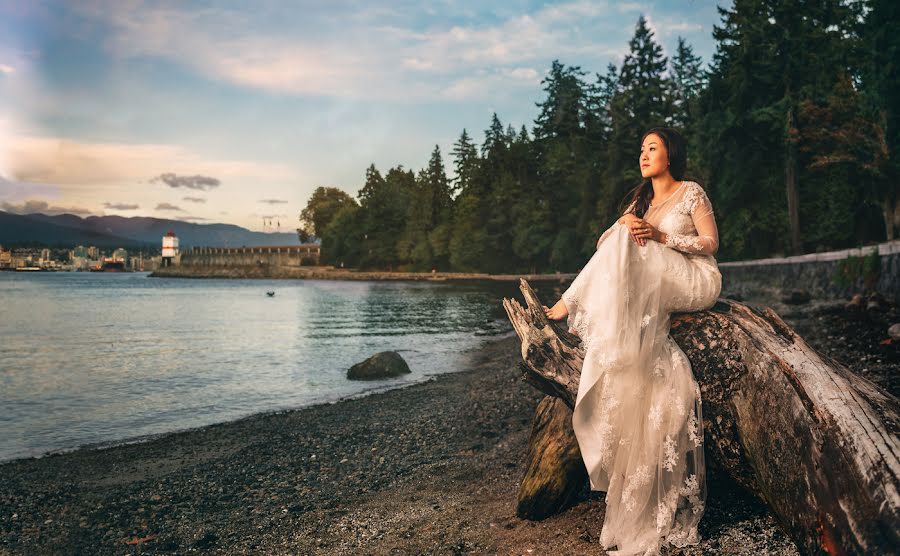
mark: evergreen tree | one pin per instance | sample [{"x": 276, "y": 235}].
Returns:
[
  {"x": 688, "y": 79},
  {"x": 465, "y": 156},
  {"x": 342, "y": 239},
  {"x": 841, "y": 149},
  {"x": 643, "y": 80},
  {"x": 494, "y": 139},
  {"x": 384, "y": 202},
  {"x": 562, "y": 201},
  {"x": 640, "y": 102},
  {"x": 771, "y": 57},
  {"x": 564, "y": 111},
  {"x": 468, "y": 237},
  {"x": 429, "y": 208},
  {"x": 880, "y": 75}
]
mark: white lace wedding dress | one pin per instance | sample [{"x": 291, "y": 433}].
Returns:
[{"x": 637, "y": 416}]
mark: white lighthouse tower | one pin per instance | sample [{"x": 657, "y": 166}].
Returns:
[{"x": 169, "y": 248}]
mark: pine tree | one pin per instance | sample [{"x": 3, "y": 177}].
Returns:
[
  {"x": 880, "y": 75},
  {"x": 643, "y": 80},
  {"x": 494, "y": 139},
  {"x": 688, "y": 79},
  {"x": 771, "y": 56},
  {"x": 846, "y": 155},
  {"x": 639, "y": 103},
  {"x": 465, "y": 155}
]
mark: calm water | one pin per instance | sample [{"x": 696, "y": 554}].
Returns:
[{"x": 89, "y": 358}]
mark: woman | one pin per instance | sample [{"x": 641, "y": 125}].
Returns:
[{"x": 637, "y": 415}]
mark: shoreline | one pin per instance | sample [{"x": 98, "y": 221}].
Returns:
[
  {"x": 428, "y": 468},
  {"x": 112, "y": 444},
  {"x": 331, "y": 273}
]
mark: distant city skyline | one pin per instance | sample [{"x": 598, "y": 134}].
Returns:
[{"x": 235, "y": 114}]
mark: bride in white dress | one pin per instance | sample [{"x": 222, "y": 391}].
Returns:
[{"x": 637, "y": 415}]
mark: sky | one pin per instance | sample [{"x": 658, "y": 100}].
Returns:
[{"x": 236, "y": 111}]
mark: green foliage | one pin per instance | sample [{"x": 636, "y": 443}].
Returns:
[
  {"x": 852, "y": 269},
  {"x": 800, "y": 102},
  {"x": 321, "y": 208},
  {"x": 342, "y": 238}
]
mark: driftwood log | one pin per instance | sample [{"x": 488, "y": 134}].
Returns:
[{"x": 814, "y": 441}]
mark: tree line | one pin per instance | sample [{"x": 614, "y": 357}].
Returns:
[{"x": 792, "y": 130}]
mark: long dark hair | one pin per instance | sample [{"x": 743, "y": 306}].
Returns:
[{"x": 676, "y": 146}]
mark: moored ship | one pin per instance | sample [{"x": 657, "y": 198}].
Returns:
[{"x": 110, "y": 265}]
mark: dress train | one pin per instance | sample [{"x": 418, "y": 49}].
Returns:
[{"x": 637, "y": 415}]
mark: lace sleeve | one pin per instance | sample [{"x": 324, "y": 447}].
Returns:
[{"x": 707, "y": 239}]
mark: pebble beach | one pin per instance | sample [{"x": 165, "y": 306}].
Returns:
[{"x": 432, "y": 468}]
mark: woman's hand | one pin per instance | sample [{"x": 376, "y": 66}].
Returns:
[
  {"x": 558, "y": 312},
  {"x": 629, "y": 221},
  {"x": 641, "y": 231}
]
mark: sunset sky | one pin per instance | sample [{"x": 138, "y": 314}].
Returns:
[{"x": 235, "y": 111}]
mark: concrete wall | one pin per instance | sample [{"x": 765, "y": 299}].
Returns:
[{"x": 818, "y": 273}]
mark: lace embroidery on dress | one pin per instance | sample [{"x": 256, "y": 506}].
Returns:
[
  {"x": 690, "y": 224},
  {"x": 671, "y": 455},
  {"x": 640, "y": 478},
  {"x": 691, "y": 491},
  {"x": 655, "y": 417},
  {"x": 693, "y": 430},
  {"x": 665, "y": 510},
  {"x": 637, "y": 415}
]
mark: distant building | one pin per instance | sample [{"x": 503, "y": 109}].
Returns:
[
  {"x": 120, "y": 255},
  {"x": 170, "y": 253},
  {"x": 93, "y": 253},
  {"x": 80, "y": 252},
  {"x": 5, "y": 258}
]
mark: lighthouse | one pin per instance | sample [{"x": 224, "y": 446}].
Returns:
[{"x": 169, "y": 248}]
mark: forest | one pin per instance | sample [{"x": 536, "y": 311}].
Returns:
[{"x": 792, "y": 130}]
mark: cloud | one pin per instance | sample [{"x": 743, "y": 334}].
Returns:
[
  {"x": 202, "y": 183},
  {"x": 7, "y": 69},
  {"x": 65, "y": 162},
  {"x": 324, "y": 60},
  {"x": 193, "y": 218},
  {"x": 194, "y": 199},
  {"x": 33, "y": 205},
  {"x": 168, "y": 206},
  {"x": 120, "y": 206},
  {"x": 17, "y": 191},
  {"x": 273, "y": 201}
]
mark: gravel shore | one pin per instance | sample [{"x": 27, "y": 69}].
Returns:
[{"x": 432, "y": 468}]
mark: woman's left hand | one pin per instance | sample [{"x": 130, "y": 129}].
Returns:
[{"x": 644, "y": 231}]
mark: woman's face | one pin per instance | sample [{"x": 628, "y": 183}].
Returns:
[{"x": 654, "y": 160}]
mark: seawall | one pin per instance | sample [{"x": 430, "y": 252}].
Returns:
[{"x": 831, "y": 275}]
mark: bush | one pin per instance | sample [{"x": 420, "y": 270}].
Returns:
[{"x": 852, "y": 269}]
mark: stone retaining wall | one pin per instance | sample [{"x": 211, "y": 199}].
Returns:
[{"x": 817, "y": 273}]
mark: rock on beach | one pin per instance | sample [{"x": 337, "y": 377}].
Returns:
[{"x": 385, "y": 364}]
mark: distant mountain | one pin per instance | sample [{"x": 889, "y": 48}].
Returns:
[
  {"x": 110, "y": 231},
  {"x": 15, "y": 228}
]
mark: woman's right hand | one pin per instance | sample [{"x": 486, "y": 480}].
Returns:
[{"x": 633, "y": 223}]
